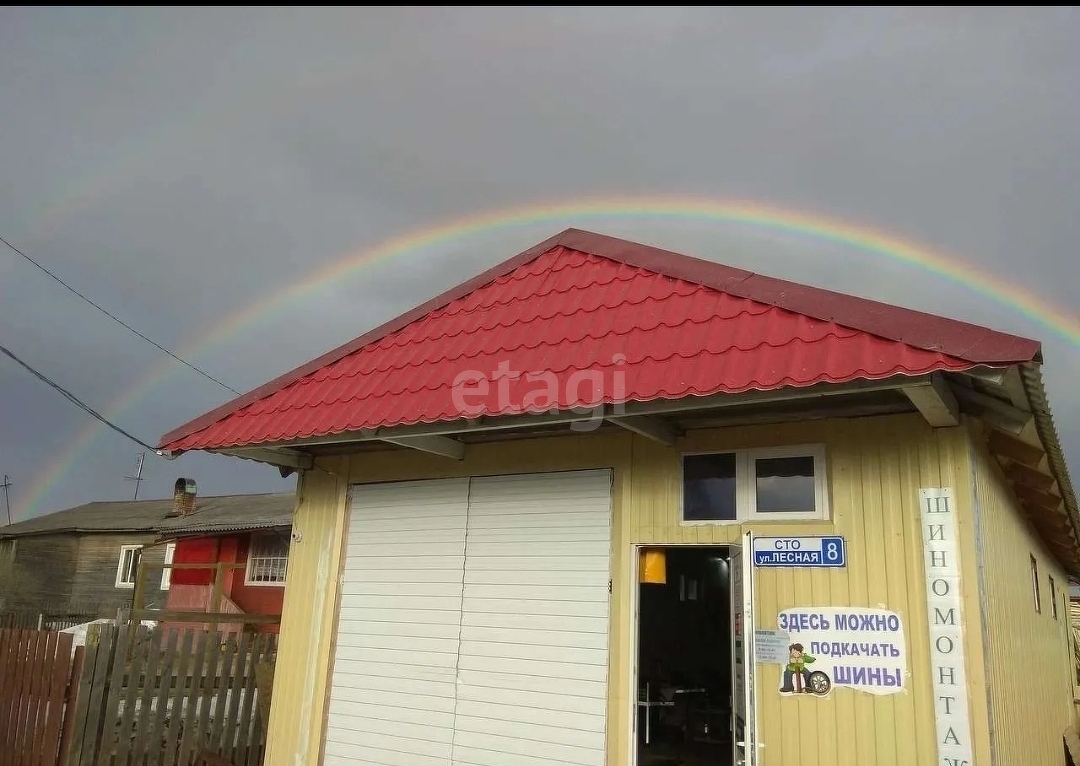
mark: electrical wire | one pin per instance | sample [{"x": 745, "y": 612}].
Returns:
[
  {"x": 76, "y": 401},
  {"x": 117, "y": 319}
]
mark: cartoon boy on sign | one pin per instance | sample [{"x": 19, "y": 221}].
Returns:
[{"x": 796, "y": 671}]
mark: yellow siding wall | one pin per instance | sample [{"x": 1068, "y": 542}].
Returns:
[
  {"x": 876, "y": 467},
  {"x": 1030, "y": 667},
  {"x": 307, "y": 621}
]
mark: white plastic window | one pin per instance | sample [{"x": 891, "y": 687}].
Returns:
[{"x": 777, "y": 484}]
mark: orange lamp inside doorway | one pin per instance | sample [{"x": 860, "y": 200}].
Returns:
[{"x": 653, "y": 566}]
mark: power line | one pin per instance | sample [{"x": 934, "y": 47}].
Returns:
[
  {"x": 117, "y": 319},
  {"x": 75, "y": 400}
]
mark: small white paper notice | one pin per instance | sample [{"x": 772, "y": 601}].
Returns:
[{"x": 771, "y": 646}]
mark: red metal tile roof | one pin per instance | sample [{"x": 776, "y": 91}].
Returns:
[{"x": 648, "y": 323}]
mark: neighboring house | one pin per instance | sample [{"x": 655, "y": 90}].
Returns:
[
  {"x": 248, "y": 530},
  {"x": 82, "y": 560},
  {"x": 535, "y": 509}
]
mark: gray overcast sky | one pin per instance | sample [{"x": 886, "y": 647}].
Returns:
[{"x": 181, "y": 165}]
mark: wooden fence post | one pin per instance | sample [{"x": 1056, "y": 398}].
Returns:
[
  {"x": 218, "y": 592},
  {"x": 71, "y": 694}
]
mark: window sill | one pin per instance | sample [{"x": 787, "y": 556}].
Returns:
[{"x": 764, "y": 521}]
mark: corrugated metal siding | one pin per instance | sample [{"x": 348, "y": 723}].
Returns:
[
  {"x": 876, "y": 467},
  {"x": 1030, "y": 663}
]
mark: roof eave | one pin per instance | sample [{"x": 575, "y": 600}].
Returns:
[
  {"x": 78, "y": 531},
  {"x": 176, "y": 534},
  {"x": 440, "y": 437},
  {"x": 1031, "y": 376}
]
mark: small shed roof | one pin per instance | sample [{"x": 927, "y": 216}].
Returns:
[{"x": 233, "y": 514}]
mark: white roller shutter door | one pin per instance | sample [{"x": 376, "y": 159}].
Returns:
[
  {"x": 474, "y": 623},
  {"x": 393, "y": 686},
  {"x": 532, "y": 681}
]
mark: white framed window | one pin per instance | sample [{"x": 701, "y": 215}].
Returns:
[
  {"x": 128, "y": 566},
  {"x": 775, "y": 484},
  {"x": 268, "y": 560},
  {"x": 166, "y": 572}
]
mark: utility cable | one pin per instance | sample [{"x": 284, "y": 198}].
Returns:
[
  {"x": 117, "y": 319},
  {"x": 76, "y": 401}
]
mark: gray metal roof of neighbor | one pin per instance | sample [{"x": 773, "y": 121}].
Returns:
[
  {"x": 212, "y": 514},
  {"x": 233, "y": 513}
]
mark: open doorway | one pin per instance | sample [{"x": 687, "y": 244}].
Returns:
[{"x": 684, "y": 657}]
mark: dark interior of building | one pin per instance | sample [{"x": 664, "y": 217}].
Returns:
[{"x": 684, "y": 658}]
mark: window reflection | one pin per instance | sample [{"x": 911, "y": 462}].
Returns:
[
  {"x": 709, "y": 487},
  {"x": 785, "y": 484}
]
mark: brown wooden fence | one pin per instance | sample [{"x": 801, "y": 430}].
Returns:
[
  {"x": 35, "y": 688},
  {"x": 159, "y": 698},
  {"x": 134, "y": 697}
]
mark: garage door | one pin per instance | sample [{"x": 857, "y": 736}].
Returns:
[
  {"x": 393, "y": 687},
  {"x": 474, "y": 623},
  {"x": 532, "y": 682}
]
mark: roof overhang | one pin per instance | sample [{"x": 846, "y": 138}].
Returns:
[
  {"x": 1010, "y": 402},
  {"x": 5, "y": 535},
  {"x": 1033, "y": 462},
  {"x": 646, "y": 418},
  {"x": 931, "y": 395},
  {"x": 167, "y": 535}
]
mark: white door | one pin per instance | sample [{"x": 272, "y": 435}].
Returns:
[
  {"x": 392, "y": 692},
  {"x": 744, "y": 718},
  {"x": 532, "y": 681}
]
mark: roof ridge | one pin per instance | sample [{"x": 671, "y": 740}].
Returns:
[
  {"x": 772, "y": 291},
  {"x": 965, "y": 342}
]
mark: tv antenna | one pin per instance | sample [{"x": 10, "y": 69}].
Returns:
[
  {"x": 137, "y": 478},
  {"x": 7, "y": 496}
]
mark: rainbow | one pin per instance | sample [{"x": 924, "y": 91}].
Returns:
[{"x": 754, "y": 216}]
